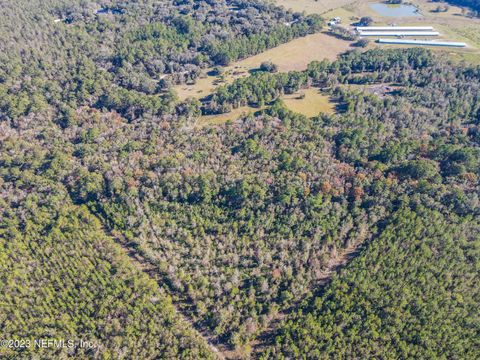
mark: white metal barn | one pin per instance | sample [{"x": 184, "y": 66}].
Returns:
[
  {"x": 422, "y": 42},
  {"x": 399, "y": 33},
  {"x": 394, "y": 28}
]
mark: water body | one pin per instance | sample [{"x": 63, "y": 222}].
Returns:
[{"x": 401, "y": 10}]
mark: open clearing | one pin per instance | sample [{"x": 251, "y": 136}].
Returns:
[
  {"x": 313, "y": 102},
  {"x": 298, "y": 53},
  {"x": 203, "y": 86},
  {"x": 294, "y": 55},
  {"x": 232, "y": 115},
  {"x": 309, "y": 102}
]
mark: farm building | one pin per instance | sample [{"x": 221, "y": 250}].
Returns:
[
  {"x": 421, "y": 42},
  {"x": 394, "y": 28},
  {"x": 399, "y": 33}
]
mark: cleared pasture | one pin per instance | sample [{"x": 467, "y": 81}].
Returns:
[
  {"x": 232, "y": 115},
  {"x": 294, "y": 55},
  {"x": 309, "y": 102},
  {"x": 298, "y": 53},
  {"x": 202, "y": 87}
]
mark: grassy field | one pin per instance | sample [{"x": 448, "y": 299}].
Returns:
[
  {"x": 222, "y": 118},
  {"x": 203, "y": 85},
  {"x": 313, "y": 102},
  {"x": 294, "y": 55},
  {"x": 309, "y": 102},
  {"x": 298, "y": 53}
]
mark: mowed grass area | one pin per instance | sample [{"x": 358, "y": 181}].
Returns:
[
  {"x": 204, "y": 85},
  {"x": 309, "y": 102},
  {"x": 469, "y": 34},
  {"x": 298, "y": 53},
  {"x": 294, "y": 55},
  {"x": 232, "y": 115}
]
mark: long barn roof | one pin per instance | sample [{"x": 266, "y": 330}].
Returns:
[
  {"x": 399, "y": 33},
  {"x": 394, "y": 28},
  {"x": 422, "y": 42}
]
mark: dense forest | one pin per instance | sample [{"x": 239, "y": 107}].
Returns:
[
  {"x": 64, "y": 278},
  {"x": 126, "y": 223},
  {"x": 399, "y": 299}
]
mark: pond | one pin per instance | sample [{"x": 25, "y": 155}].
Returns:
[{"x": 400, "y": 10}]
